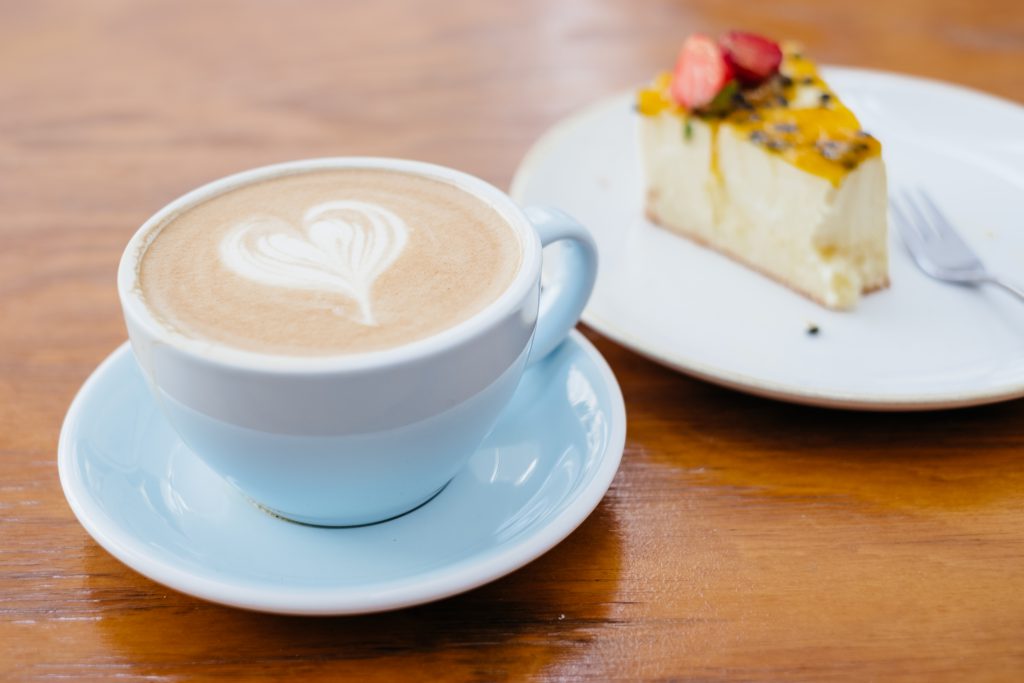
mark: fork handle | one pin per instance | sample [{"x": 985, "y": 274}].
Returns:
[{"x": 1016, "y": 290}]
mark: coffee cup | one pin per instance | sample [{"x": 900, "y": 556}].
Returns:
[{"x": 366, "y": 397}]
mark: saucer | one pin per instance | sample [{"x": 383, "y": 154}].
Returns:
[
  {"x": 158, "y": 508},
  {"x": 920, "y": 344}
]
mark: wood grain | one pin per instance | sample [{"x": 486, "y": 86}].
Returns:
[{"x": 742, "y": 539}]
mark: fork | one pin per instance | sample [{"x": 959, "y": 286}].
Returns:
[{"x": 937, "y": 248}]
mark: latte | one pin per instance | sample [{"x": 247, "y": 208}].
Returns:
[{"x": 328, "y": 262}]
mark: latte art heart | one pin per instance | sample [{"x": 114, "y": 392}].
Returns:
[
  {"x": 342, "y": 247},
  {"x": 327, "y": 262}
]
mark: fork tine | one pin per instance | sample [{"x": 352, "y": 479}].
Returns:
[
  {"x": 908, "y": 212},
  {"x": 944, "y": 228},
  {"x": 901, "y": 219},
  {"x": 932, "y": 241},
  {"x": 910, "y": 233},
  {"x": 924, "y": 226}
]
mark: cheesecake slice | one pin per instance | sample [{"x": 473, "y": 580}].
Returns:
[{"x": 751, "y": 153}]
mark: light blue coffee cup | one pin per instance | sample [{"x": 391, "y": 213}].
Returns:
[{"x": 360, "y": 438}]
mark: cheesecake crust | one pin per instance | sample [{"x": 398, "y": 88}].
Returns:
[{"x": 653, "y": 217}]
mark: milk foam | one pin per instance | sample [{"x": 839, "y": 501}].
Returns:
[
  {"x": 327, "y": 262},
  {"x": 342, "y": 246}
]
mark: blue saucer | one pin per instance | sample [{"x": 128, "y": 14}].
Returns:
[{"x": 155, "y": 506}]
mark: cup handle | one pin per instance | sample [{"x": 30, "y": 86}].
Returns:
[{"x": 564, "y": 295}]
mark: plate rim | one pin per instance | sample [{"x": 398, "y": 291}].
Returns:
[
  {"x": 355, "y": 598},
  {"x": 721, "y": 376}
]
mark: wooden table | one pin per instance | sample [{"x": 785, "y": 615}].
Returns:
[{"x": 741, "y": 540}]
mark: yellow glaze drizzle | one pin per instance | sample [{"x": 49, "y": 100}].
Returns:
[
  {"x": 794, "y": 114},
  {"x": 716, "y": 171}
]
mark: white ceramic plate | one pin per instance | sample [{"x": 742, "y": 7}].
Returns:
[{"x": 921, "y": 344}]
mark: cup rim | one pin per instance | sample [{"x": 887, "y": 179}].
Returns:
[{"x": 221, "y": 354}]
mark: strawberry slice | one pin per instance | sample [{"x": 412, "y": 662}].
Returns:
[
  {"x": 754, "y": 58},
  {"x": 701, "y": 72}
]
